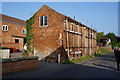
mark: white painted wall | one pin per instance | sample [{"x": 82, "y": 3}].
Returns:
[{"x": 5, "y": 53}]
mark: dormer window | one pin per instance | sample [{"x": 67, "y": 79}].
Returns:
[
  {"x": 5, "y": 28},
  {"x": 24, "y": 31},
  {"x": 44, "y": 20}
]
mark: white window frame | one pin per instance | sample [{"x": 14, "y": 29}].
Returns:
[
  {"x": 24, "y": 30},
  {"x": 43, "y": 21},
  {"x": 3, "y": 29}
]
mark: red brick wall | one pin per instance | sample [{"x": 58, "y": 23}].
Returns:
[
  {"x": 9, "y": 67},
  {"x": 46, "y": 39},
  {"x": 8, "y": 40},
  {"x": 47, "y": 42}
]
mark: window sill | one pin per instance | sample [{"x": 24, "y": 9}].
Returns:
[
  {"x": 5, "y": 31},
  {"x": 43, "y": 26}
]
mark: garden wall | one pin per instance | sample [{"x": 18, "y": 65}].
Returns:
[{"x": 17, "y": 64}]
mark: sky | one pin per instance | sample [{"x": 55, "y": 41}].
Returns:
[{"x": 101, "y": 16}]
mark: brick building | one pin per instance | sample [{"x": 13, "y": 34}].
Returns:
[
  {"x": 55, "y": 33},
  {"x": 12, "y": 33}
]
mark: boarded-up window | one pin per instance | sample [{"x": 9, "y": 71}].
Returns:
[
  {"x": 86, "y": 42},
  {"x": 71, "y": 40},
  {"x": 80, "y": 30},
  {"x": 76, "y": 29},
  {"x": 76, "y": 40},
  {"x": 72, "y": 27}
]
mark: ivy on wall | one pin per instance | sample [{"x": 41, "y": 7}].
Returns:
[{"x": 29, "y": 35}]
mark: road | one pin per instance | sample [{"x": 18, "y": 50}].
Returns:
[{"x": 103, "y": 66}]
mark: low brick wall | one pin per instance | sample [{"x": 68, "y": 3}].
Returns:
[
  {"x": 19, "y": 64},
  {"x": 16, "y": 55}
]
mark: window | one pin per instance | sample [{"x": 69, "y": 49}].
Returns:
[
  {"x": 76, "y": 28},
  {"x": 24, "y": 31},
  {"x": 72, "y": 27},
  {"x": 89, "y": 35},
  {"x": 86, "y": 42},
  {"x": 5, "y": 28},
  {"x": 43, "y": 20},
  {"x": 16, "y": 40}
]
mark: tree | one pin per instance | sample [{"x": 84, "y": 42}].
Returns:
[
  {"x": 118, "y": 39},
  {"x": 118, "y": 42},
  {"x": 117, "y": 45},
  {"x": 100, "y": 35},
  {"x": 112, "y": 37}
]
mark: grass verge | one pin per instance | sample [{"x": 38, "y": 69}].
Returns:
[{"x": 73, "y": 61}]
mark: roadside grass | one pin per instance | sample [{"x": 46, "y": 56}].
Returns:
[{"x": 73, "y": 61}]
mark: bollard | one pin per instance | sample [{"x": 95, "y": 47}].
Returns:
[{"x": 58, "y": 58}]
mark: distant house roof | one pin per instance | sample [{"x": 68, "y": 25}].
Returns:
[
  {"x": 12, "y": 20},
  {"x": 4, "y": 48}
]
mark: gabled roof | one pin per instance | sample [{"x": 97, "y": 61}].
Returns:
[
  {"x": 68, "y": 18},
  {"x": 13, "y": 20}
]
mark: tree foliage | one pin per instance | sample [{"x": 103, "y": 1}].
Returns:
[
  {"x": 29, "y": 35},
  {"x": 100, "y": 35},
  {"x": 117, "y": 45},
  {"x": 112, "y": 37},
  {"x": 115, "y": 40}
]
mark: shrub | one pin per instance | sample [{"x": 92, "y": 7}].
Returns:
[{"x": 67, "y": 62}]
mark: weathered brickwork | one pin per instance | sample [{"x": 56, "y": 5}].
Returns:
[
  {"x": 9, "y": 67},
  {"x": 15, "y": 28},
  {"x": 63, "y": 35}
]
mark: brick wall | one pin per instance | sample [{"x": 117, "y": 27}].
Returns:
[
  {"x": 49, "y": 39},
  {"x": 15, "y": 29},
  {"x": 9, "y": 67}
]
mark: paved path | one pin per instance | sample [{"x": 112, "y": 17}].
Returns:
[{"x": 103, "y": 66}]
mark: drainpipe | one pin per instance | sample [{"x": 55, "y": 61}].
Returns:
[{"x": 67, "y": 38}]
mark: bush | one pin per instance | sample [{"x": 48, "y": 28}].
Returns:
[{"x": 67, "y": 62}]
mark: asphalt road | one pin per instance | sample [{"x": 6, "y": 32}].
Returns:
[{"x": 103, "y": 66}]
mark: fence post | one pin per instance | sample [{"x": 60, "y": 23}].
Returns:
[{"x": 58, "y": 58}]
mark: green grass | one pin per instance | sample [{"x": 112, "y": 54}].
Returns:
[{"x": 73, "y": 61}]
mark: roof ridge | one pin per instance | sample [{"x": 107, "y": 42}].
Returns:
[
  {"x": 11, "y": 17},
  {"x": 67, "y": 16}
]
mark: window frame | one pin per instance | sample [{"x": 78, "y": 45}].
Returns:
[
  {"x": 6, "y": 26},
  {"x": 43, "y": 21},
  {"x": 24, "y": 30}
]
